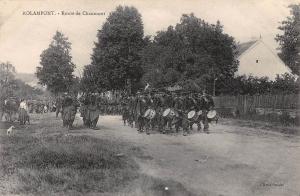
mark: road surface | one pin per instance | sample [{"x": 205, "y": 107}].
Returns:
[{"x": 232, "y": 160}]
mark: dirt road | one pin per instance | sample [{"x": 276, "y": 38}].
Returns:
[{"x": 232, "y": 160}]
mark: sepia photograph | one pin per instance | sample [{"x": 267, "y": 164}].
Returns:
[{"x": 150, "y": 97}]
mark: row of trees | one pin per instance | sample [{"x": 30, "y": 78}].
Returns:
[{"x": 193, "y": 54}]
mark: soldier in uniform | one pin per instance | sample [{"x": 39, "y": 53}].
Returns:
[
  {"x": 158, "y": 107},
  {"x": 167, "y": 102},
  {"x": 187, "y": 106},
  {"x": 140, "y": 109},
  {"x": 149, "y": 104},
  {"x": 84, "y": 102},
  {"x": 93, "y": 111},
  {"x": 125, "y": 109},
  {"x": 206, "y": 105},
  {"x": 191, "y": 105},
  {"x": 132, "y": 101},
  {"x": 69, "y": 109},
  {"x": 58, "y": 105},
  {"x": 179, "y": 107}
]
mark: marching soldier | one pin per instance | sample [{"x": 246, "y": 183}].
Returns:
[
  {"x": 140, "y": 109},
  {"x": 168, "y": 102},
  {"x": 84, "y": 102},
  {"x": 58, "y": 105},
  {"x": 206, "y": 106},
  {"x": 69, "y": 109},
  {"x": 179, "y": 106},
  {"x": 93, "y": 111},
  {"x": 149, "y": 104},
  {"x": 158, "y": 107}
]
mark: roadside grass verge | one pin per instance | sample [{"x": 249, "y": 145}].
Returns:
[
  {"x": 45, "y": 159},
  {"x": 269, "y": 126},
  {"x": 46, "y": 163}
]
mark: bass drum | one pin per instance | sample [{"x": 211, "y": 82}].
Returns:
[
  {"x": 147, "y": 113},
  {"x": 200, "y": 112},
  {"x": 150, "y": 114},
  {"x": 169, "y": 113},
  {"x": 166, "y": 112},
  {"x": 211, "y": 114},
  {"x": 191, "y": 114}
]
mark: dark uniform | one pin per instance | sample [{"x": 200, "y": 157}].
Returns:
[
  {"x": 58, "y": 105},
  {"x": 93, "y": 111},
  {"x": 207, "y": 104},
  {"x": 84, "y": 102},
  {"x": 167, "y": 102},
  {"x": 140, "y": 109},
  {"x": 69, "y": 109}
]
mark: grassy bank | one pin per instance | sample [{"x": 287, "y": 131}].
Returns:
[{"x": 44, "y": 159}]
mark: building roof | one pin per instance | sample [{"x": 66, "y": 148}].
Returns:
[{"x": 243, "y": 47}]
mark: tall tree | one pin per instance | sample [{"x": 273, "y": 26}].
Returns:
[
  {"x": 56, "y": 70},
  {"x": 116, "y": 56},
  {"x": 289, "y": 41},
  {"x": 193, "y": 53}
]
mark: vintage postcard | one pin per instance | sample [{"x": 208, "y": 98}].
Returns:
[{"x": 150, "y": 97}]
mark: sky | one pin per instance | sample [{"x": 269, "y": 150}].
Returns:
[{"x": 24, "y": 37}]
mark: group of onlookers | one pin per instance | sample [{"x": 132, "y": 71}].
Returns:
[{"x": 14, "y": 109}]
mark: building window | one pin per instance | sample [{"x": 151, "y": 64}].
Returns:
[{"x": 256, "y": 60}]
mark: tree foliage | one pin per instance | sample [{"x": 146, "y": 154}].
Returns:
[
  {"x": 116, "y": 56},
  {"x": 193, "y": 51},
  {"x": 289, "y": 41},
  {"x": 56, "y": 70},
  {"x": 7, "y": 78},
  {"x": 12, "y": 87},
  {"x": 250, "y": 85}
]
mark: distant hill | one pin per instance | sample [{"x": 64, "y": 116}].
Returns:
[{"x": 28, "y": 78}]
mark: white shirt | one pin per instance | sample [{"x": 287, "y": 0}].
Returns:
[{"x": 23, "y": 105}]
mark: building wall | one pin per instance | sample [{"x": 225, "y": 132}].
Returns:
[{"x": 261, "y": 61}]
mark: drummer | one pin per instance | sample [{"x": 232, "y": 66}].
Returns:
[
  {"x": 180, "y": 107},
  {"x": 140, "y": 110},
  {"x": 191, "y": 105},
  {"x": 207, "y": 105},
  {"x": 149, "y": 104}
]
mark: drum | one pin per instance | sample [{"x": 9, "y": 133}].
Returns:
[
  {"x": 166, "y": 112},
  {"x": 211, "y": 114},
  {"x": 199, "y": 112},
  {"x": 191, "y": 114},
  {"x": 152, "y": 114},
  {"x": 147, "y": 113},
  {"x": 169, "y": 113}
]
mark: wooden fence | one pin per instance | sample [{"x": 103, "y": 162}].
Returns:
[{"x": 243, "y": 105}]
